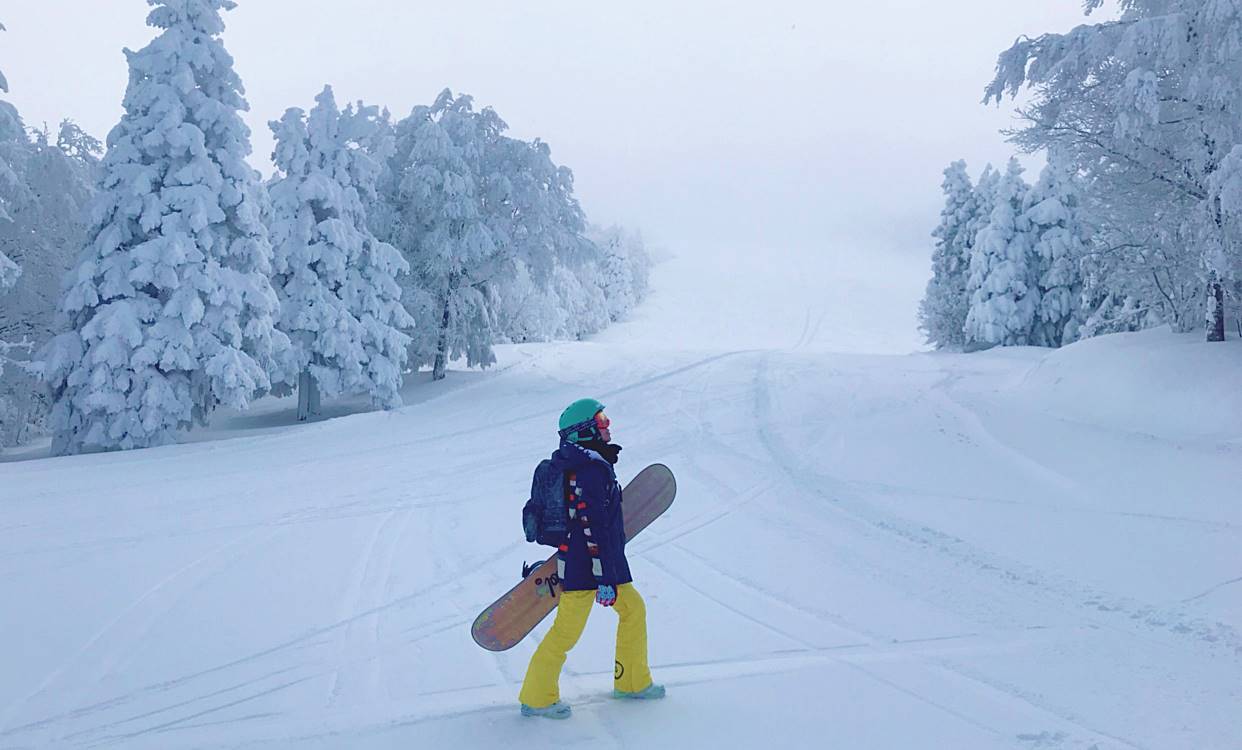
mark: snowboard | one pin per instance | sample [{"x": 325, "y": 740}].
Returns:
[{"x": 511, "y": 617}]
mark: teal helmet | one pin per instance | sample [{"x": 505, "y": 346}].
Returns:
[{"x": 578, "y": 420}]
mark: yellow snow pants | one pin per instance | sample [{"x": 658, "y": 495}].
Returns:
[{"x": 631, "y": 673}]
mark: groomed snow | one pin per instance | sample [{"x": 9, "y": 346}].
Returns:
[{"x": 1011, "y": 549}]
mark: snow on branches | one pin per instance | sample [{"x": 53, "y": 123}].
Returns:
[
  {"x": 1051, "y": 211},
  {"x": 1147, "y": 110}
]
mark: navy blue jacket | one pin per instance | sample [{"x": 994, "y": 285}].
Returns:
[{"x": 596, "y": 488}]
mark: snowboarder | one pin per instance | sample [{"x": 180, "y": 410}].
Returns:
[{"x": 591, "y": 565}]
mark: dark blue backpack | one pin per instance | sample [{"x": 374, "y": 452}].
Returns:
[{"x": 545, "y": 518}]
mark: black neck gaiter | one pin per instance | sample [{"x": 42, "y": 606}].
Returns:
[{"x": 610, "y": 451}]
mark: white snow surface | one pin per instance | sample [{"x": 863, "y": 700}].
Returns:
[{"x": 1010, "y": 549}]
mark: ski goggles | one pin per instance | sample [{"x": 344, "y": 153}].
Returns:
[{"x": 588, "y": 429}]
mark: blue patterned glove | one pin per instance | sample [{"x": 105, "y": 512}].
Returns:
[{"x": 606, "y": 595}]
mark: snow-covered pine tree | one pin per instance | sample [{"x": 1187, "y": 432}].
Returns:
[
  {"x": 534, "y": 273},
  {"x": 580, "y": 294},
  {"x": 547, "y": 224},
  {"x": 616, "y": 278},
  {"x": 46, "y": 225},
  {"x": 4, "y": 82},
  {"x": 568, "y": 265},
  {"x": 11, "y": 129},
  {"x": 171, "y": 311},
  {"x": 340, "y": 300},
  {"x": 1006, "y": 292},
  {"x": 441, "y": 228},
  {"x": 12, "y": 132},
  {"x": 44, "y": 186},
  {"x": 527, "y": 311},
  {"x": 1051, "y": 209},
  {"x": 624, "y": 269},
  {"x": 985, "y": 201},
  {"x": 942, "y": 313},
  {"x": 46, "y": 228}
]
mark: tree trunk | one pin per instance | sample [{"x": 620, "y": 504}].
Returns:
[
  {"x": 1216, "y": 311},
  {"x": 438, "y": 370},
  {"x": 308, "y": 396}
]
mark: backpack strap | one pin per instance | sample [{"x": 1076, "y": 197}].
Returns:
[{"x": 570, "y": 487}]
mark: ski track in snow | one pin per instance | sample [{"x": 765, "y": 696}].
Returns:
[
  {"x": 1051, "y": 507},
  {"x": 130, "y": 639},
  {"x": 1151, "y": 615},
  {"x": 847, "y": 502},
  {"x": 1212, "y": 590}
]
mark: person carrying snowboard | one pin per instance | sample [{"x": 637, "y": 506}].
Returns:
[{"x": 592, "y": 567}]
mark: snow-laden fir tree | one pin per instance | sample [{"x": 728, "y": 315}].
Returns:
[
  {"x": 12, "y": 189},
  {"x": 1147, "y": 108},
  {"x": 436, "y": 184},
  {"x": 624, "y": 270},
  {"x": 985, "y": 200},
  {"x": 46, "y": 222},
  {"x": 1051, "y": 210},
  {"x": 545, "y": 224},
  {"x": 45, "y": 229},
  {"x": 942, "y": 313},
  {"x": 171, "y": 311},
  {"x": 44, "y": 185},
  {"x": 1005, "y": 296},
  {"x": 516, "y": 261},
  {"x": 527, "y": 311},
  {"x": 11, "y": 130},
  {"x": 4, "y": 82},
  {"x": 340, "y": 303},
  {"x": 555, "y": 252},
  {"x": 580, "y": 292}
]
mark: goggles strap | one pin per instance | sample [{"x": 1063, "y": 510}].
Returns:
[{"x": 590, "y": 427}]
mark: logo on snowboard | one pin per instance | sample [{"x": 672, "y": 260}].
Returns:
[{"x": 547, "y": 586}]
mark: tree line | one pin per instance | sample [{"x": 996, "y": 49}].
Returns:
[
  {"x": 150, "y": 284},
  {"x": 1136, "y": 222}
]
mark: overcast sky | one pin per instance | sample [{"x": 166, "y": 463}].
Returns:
[{"x": 710, "y": 125}]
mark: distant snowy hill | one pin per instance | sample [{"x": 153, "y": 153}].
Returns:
[{"x": 1012, "y": 549}]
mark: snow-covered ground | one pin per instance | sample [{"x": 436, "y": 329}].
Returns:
[{"x": 1012, "y": 549}]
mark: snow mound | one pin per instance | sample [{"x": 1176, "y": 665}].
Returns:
[{"x": 1154, "y": 382}]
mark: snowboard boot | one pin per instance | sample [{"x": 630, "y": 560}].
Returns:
[
  {"x": 652, "y": 692},
  {"x": 557, "y": 710}
]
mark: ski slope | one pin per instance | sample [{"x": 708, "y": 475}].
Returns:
[{"x": 870, "y": 549}]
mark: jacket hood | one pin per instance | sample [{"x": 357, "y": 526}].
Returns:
[{"x": 571, "y": 457}]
